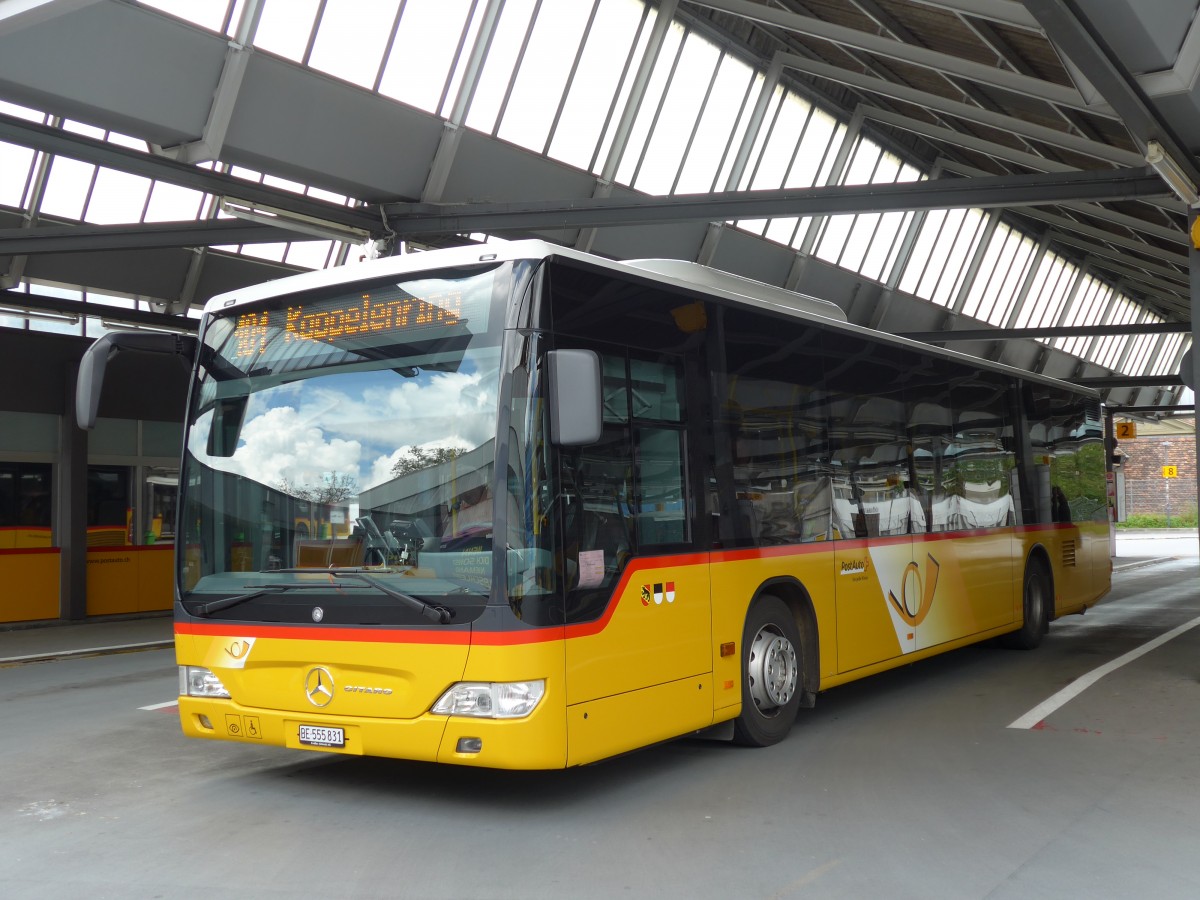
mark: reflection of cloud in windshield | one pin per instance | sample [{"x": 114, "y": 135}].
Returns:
[
  {"x": 281, "y": 443},
  {"x": 447, "y": 409},
  {"x": 362, "y": 432}
]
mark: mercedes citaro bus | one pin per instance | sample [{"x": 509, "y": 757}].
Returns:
[{"x": 588, "y": 506}]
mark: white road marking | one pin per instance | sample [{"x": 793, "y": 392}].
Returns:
[
  {"x": 154, "y": 706},
  {"x": 1083, "y": 682}
]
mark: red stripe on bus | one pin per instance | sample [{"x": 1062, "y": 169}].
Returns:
[
  {"x": 308, "y": 632},
  {"x": 537, "y": 635}
]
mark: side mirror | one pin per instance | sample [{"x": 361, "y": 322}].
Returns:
[
  {"x": 575, "y": 400},
  {"x": 91, "y": 369}
]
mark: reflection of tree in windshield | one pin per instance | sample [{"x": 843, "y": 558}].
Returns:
[
  {"x": 417, "y": 458},
  {"x": 334, "y": 488}
]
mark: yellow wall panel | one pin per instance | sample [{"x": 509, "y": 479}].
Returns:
[
  {"x": 155, "y": 565},
  {"x": 30, "y": 582},
  {"x": 128, "y": 579}
]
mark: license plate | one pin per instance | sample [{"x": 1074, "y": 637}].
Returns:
[{"x": 321, "y": 736}]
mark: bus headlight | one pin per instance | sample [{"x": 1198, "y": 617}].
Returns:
[
  {"x": 484, "y": 700},
  {"x": 195, "y": 681}
]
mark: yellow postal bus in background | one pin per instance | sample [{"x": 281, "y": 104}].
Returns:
[{"x": 586, "y": 506}]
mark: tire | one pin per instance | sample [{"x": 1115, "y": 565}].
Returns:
[
  {"x": 772, "y": 674},
  {"x": 1035, "y": 597}
]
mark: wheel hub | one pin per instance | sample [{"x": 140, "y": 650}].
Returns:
[{"x": 773, "y": 670}]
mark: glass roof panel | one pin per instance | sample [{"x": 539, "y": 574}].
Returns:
[
  {"x": 645, "y": 114},
  {"x": 67, "y": 188},
  {"x": 15, "y": 165},
  {"x": 1107, "y": 350},
  {"x": 273, "y": 252},
  {"x": 459, "y": 72},
  {"x": 681, "y": 109},
  {"x": 117, "y": 197},
  {"x": 702, "y": 164},
  {"x": 1048, "y": 294},
  {"x": 310, "y": 254},
  {"x": 424, "y": 51},
  {"x": 208, "y": 14},
  {"x": 886, "y": 245},
  {"x": 498, "y": 68},
  {"x": 542, "y": 78},
  {"x": 285, "y": 27},
  {"x": 171, "y": 203},
  {"x": 596, "y": 80},
  {"x": 1165, "y": 362},
  {"x": 352, "y": 37},
  {"x": 624, "y": 92},
  {"x": 21, "y": 112}
]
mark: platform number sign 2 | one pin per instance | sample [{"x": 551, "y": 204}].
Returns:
[{"x": 1126, "y": 431}]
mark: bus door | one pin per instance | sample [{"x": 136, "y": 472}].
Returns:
[
  {"x": 638, "y": 617},
  {"x": 879, "y": 585}
]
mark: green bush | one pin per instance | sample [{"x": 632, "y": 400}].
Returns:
[{"x": 1183, "y": 519}]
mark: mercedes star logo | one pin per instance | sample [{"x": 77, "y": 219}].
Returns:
[{"x": 318, "y": 686}]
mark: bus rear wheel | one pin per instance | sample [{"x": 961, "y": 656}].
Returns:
[
  {"x": 1035, "y": 601},
  {"x": 772, "y": 674}
]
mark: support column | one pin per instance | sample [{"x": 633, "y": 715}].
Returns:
[
  {"x": 70, "y": 507},
  {"x": 1194, "y": 273}
]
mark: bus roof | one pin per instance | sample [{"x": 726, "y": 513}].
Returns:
[{"x": 689, "y": 276}]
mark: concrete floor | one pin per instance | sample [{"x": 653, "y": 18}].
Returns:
[{"x": 910, "y": 784}]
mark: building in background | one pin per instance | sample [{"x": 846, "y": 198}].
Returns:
[
  {"x": 1159, "y": 472},
  {"x": 86, "y": 518}
]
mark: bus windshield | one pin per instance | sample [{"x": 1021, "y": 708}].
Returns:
[{"x": 343, "y": 445}]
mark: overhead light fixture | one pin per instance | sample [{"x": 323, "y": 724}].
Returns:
[
  {"x": 45, "y": 315},
  {"x": 1171, "y": 172},
  {"x": 282, "y": 218},
  {"x": 119, "y": 325}
]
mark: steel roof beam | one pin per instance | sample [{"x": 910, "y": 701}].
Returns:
[
  {"x": 159, "y": 235},
  {"x": 1134, "y": 224},
  {"x": 1068, "y": 224},
  {"x": 944, "y": 63},
  {"x": 1126, "y": 410},
  {"x": 1056, "y": 331},
  {"x": 970, "y": 142},
  {"x": 1128, "y": 381},
  {"x": 14, "y": 302},
  {"x": 1003, "y": 12},
  {"x": 1078, "y": 41},
  {"x": 958, "y": 193},
  {"x": 229, "y": 84},
  {"x": 1093, "y": 247},
  {"x": 961, "y": 110},
  {"x": 103, "y": 153}
]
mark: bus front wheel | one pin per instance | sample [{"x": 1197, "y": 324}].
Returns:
[{"x": 772, "y": 674}]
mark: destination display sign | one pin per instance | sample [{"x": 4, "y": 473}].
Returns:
[{"x": 387, "y": 313}]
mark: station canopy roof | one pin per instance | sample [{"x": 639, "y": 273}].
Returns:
[{"x": 1016, "y": 172}]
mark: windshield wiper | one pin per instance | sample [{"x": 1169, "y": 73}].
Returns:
[
  {"x": 212, "y": 606},
  {"x": 438, "y": 614}
]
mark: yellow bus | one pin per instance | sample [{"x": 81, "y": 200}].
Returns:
[{"x": 597, "y": 505}]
